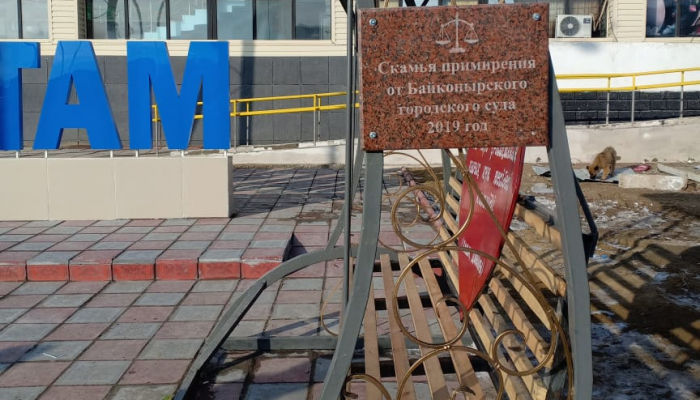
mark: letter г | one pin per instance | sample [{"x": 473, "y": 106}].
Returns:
[{"x": 13, "y": 57}]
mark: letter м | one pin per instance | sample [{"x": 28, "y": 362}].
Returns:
[
  {"x": 13, "y": 57},
  {"x": 75, "y": 64},
  {"x": 206, "y": 69}
]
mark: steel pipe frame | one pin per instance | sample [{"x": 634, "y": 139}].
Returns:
[{"x": 578, "y": 300}]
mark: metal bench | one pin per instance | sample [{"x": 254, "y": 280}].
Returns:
[
  {"x": 529, "y": 330},
  {"x": 436, "y": 345}
]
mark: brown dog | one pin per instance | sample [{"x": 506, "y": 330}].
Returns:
[{"x": 605, "y": 160}]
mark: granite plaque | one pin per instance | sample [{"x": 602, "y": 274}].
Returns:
[{"x": 444, "y": 77}]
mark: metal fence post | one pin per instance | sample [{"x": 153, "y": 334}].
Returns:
[
  {"x": 155, "y": 111},
  {"x": 234, "y": 115},
  {"x": 634, "y": 88},
  {"x": 319, "y": 117},
  {"x": 607, "y": 105},
  {"x": 316, "y": 105},
  {"x": 682, "y": 88},
  {"x": 247, "y": 124}
]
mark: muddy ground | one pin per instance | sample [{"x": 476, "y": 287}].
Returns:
[{"x": 645, "y": 288}]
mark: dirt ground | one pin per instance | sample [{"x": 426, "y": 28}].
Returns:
[{"x": 645, "y": 288}]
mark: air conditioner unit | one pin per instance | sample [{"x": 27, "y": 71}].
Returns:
[{"x": 574, "y": 26}]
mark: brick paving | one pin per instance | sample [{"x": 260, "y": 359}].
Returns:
[
  {"x": 133, "y": 333},
  {"x": 118, "y": 309},
  {"x": 135, "y": 339}
]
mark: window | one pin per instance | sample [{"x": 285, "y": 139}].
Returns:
[
  {"x": 147, "y": 19},
  {"x": 596, "y": 9},
  {"x": 423, "y": 3},
  {"x": 673, "y": 18},
  {"x": 274, "y": 19},
  {"x": 24, "y": 19},
  {"x": 209, "y": 19}
]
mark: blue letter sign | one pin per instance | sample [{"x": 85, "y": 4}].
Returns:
[
  {"x": 207, "y": 68},
  {"x": 13, "y": 57},
  {"x": 75, "y": 64}
]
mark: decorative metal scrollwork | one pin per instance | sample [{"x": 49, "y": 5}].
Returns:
[{"x": 428, "y": 201}]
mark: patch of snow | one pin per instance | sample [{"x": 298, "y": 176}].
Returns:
[
  {"x": 602, "y": 259},
  {"x": 617, "y": 246},
  {"x": 660, "y": 276},
  {"x": 603, "y": 312},
  {"x": 518, "y": 225},
  {"x": 687, "y": 299},
  {"x": 546, "y": 201},
  {"x": 541, "y": 188}
]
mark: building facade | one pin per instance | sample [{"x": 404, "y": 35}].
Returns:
[{"x": 289, "y": 47}]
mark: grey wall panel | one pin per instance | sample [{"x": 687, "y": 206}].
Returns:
[
  {"x": 33, "y": 96},
  {"x": 336, "y": 125},
  {"x": 71, "y": 135},
  {"x": 38, "y": 75},
  {"x": 30, "y": 120},
  {"x": 261, "y": 131},
  {"x": 314, "y": 70},
  {"x": 196, "y": 139},
  {"x": 115, "y": 70},
  {"x": 289, "y": 90},
  {"x": 251, "y": 70},
  {"x": 287, "y": 128},
  {"x": 118, "y": 97},
  {"x": 178, "y": 66},
  {"x": 286, "y": 70},
  {"x": 337, "y": 71},
  {"x": 263, "y": 90},
  {"x": 121, "y": 118},
  {"x": 318, "y": 88},
  {"x": 101, "y": 64}
]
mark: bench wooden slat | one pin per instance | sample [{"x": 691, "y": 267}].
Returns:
[
  {"x": 513, "y": 385},
  {"x": 460, "y": 360},
  {"x": 455, "y": 184},
  {"x": 540, "y": 226},
  {"x": 451, "y": 268},
  {"x": 449, "y": 260},
  {"x": 436, "y": 380},
  {"x": 539, "y": 269},
  {"x": 525, "y": 294},
  {"x": 453, "y": 205},
  {"x": 513, "y": 348},
  {"x": 506, "y": 304},
  {"x": 451, "y": 222},
  {"x": 519, "y": 319},
  {"x": 398, "y": 345},
  {"x": 371, "y": 347}
]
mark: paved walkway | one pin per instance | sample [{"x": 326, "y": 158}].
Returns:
[
  {"x": 135, "y": 339},
  {"x": 118, "y": 309},
  {"x": 274, "y": 206}
]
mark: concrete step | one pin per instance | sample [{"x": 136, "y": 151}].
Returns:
[{"x": 214, "y": 251}]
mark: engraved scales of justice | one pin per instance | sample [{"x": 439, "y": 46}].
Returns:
[{"x": 445, "y": 38}]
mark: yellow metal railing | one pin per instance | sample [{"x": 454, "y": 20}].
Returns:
[
  {"x": 631, "y": 83},
  {"x": 243, "y": 107},
  {"x": 633, "y": 76},
  {"x": 238, "y": 112}
]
